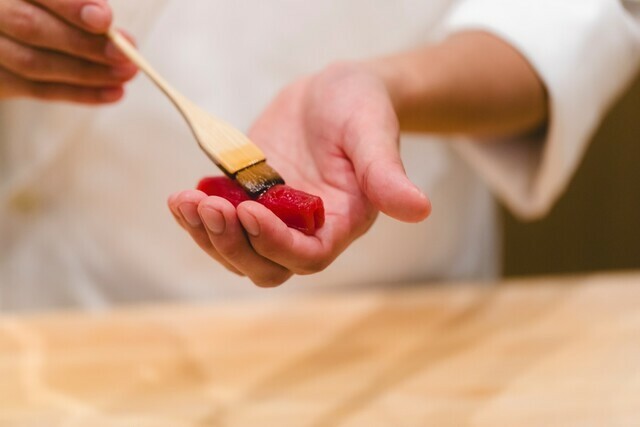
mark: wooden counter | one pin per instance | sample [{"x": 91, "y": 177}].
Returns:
[{"x": 547, "y": 352}]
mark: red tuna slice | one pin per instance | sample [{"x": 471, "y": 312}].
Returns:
[
  {"x": 297, "y": 209},
  {"x": 223, "y": 187}
]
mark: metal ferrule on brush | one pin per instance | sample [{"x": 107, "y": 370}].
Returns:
[{"x": 239, "y": 159}]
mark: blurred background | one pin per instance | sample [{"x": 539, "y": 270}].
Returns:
[{"x": 596, "y": 224}]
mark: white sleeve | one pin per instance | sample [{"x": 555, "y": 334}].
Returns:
[{"x": 586, "y": 52}]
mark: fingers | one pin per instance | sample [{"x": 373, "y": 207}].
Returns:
[
  {"x": 249, "y": 240},
  {"x": 183, "y": 207},
  {"x": 90, "y": 15},
  {"x": 30, "y": 25},
  {"x": 230, "y": 241},
  {"x": 14, "y": 86},
  {"x": 381, "y": 175},
  {"x": 47, "y": 66},
  {"x": 55, "y": 50}
]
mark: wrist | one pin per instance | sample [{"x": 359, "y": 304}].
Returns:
[{"x": 414, "y": 81}]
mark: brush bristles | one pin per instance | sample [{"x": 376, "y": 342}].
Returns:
[{"x": 258, "y": 178}]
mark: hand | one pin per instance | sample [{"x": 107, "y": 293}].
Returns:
[
  {"x": 334, "y": 135},
  {"x": 56, "y": 50}
]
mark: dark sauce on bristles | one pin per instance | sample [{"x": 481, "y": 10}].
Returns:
[{"x": 258, "y": 178}]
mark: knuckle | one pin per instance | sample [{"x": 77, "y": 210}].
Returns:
[
  {"x": 367, "y": 178},
  {"x": 312, "y": 266},
  {"x": 39, "y": 91},
  {"x": 27, "y": 62},
  {"x": 24, "y": 24},
  {"x": 89, "y": 46},
  {"x": 266, "y": 251},
  {"x": 339, "y": 69},
  {"x": 229, "y": 250},
  {"x": 233, "y": 270},
  {"x": 271, "y": 280}
]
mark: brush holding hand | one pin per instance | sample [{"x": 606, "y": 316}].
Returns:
[
  {"x": 336, "y": 134},
  {"x": 56, "y": 50}
]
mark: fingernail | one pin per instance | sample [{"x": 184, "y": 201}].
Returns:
[
  {"x": 214, "y": 220},
  {"x": 190, "y": 214},
  {"x": 95, "y": 17},
  {"x": 113, "y": 53},
  {"x": 112, "y": 94},
  {"x": 250, "y": 223}
]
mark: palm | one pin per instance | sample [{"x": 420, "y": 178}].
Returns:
[{"x": 305, "y": 132}]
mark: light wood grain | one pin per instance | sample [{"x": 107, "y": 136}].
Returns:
[
  {"x": 546, "y": 352},
  {"x": 229, "y": 148}
]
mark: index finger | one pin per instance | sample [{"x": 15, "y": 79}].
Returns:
[{"x": 94, "y": 16}]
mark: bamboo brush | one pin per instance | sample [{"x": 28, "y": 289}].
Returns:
[{"x": 229, "y": 148}]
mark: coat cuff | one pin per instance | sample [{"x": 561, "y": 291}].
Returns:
[{"x": 586, "y": 52}]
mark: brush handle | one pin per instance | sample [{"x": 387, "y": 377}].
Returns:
[
  {"x": 134, "y": 56},
  {"x": 229, "y": 148}
]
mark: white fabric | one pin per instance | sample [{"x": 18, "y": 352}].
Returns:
[
  {"x": 82, "y": 191},
  {"x": 586, "y": 52}
]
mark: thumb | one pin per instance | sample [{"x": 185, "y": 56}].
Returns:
[
  {"x": 91, "y": 15},
  {"x": 375, "y": 155}
]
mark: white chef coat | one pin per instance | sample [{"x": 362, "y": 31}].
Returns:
[{"x": 82, "y": 190}]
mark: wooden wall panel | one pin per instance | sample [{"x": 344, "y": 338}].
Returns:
[{"x": 596, "y": 224}]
